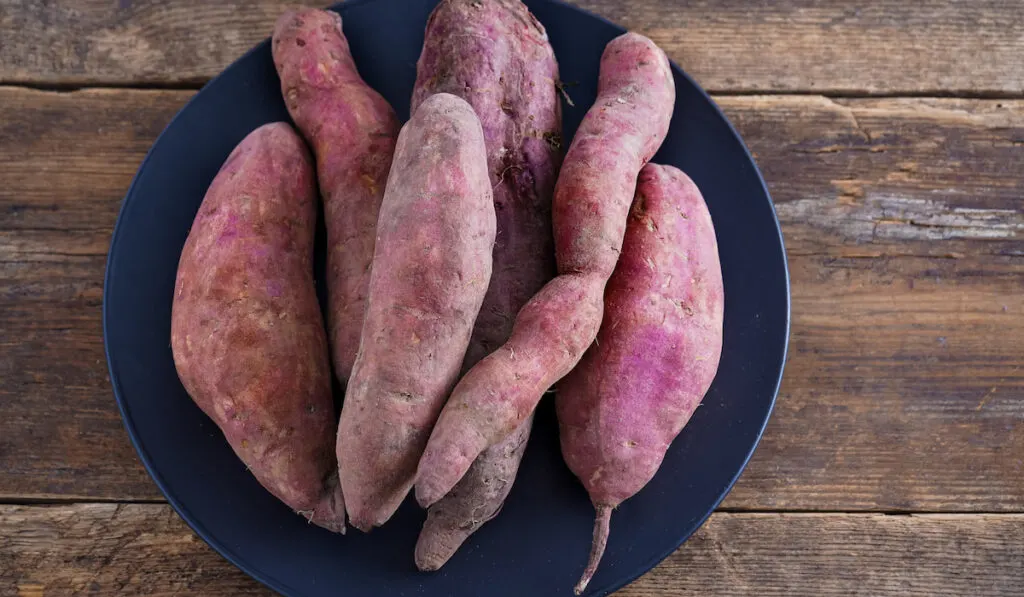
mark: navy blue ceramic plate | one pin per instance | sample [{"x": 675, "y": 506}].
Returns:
[{"x": 539, "y": 544}]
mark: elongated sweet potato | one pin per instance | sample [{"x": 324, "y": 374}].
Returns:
[
  {"x": 352, "y": 131},
  {"x": 496, "y": 56},
  {"x": 430, "y": 271},
  {"x": 657, "y": 351},
  {"x": 246, "y": 331},
  {"x": 619, "y": 134}
]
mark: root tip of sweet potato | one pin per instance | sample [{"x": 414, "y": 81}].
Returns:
[
  {"x": 335, "y": 526},
  {"x": 601, "y": 526},
  {"x": 361, "y": 525},
  {"x": 428, "y": 562},
  {"x": 330, "y": 511},
  {"x": 436, "y": 544},
  {"x": 363, "y": 520}
]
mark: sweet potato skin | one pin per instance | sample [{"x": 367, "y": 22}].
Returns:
[
  {"x": 352, "y": 131},
  {"x": 246, "y": 330},
  {"x": 431, "y": 269},
  {"x": 496, "y": 56},
  {"x": 619, "y": 134},
  {"x": 474, "y": 501},
  {"x": 657, "y": 352}
]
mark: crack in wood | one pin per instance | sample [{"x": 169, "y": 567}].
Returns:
[{"x": 867, "y": 217}]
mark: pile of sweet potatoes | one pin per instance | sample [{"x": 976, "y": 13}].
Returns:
[{"x": 470, "y": 269}]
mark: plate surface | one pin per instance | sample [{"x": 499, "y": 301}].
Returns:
[{"x": 539, "y": 543}]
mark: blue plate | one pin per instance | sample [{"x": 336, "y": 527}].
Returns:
[{"x": 539, "y": 544}]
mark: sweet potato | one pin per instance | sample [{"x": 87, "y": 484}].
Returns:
[
  {"x": 352, "y": 131},
  {"x": 496, "y": 56},
  {"x": 619, "y": 134},
  {"x": 657, "y": 351},
  {"x": 430, "y": 272},
  {"x": 246, "y": 330},
  {"x": 476, "y": 499}
]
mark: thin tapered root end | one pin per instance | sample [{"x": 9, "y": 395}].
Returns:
[
  {"x": 601, "y": 526},
  {"x": 329, "y": 512},
  {"x": 428, "y": 560}
]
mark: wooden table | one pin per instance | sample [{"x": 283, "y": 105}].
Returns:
[{"x": 891, "y": 134}]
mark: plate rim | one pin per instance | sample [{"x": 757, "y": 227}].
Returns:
[{"x": 281, "y": 587}]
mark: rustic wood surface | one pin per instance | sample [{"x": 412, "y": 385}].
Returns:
[
  {"x": 902, "y": 215},
  {"x": 937, "y": 47},
  {"x": 145, "y": 549}
]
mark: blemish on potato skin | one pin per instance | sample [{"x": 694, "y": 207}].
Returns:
[
  {"x": 370, "y": 182},
  {"x": 553, "y": 139}
]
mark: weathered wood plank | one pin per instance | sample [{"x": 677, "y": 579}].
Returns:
[
  {"x": 66, "y": 159},
  {"x": 130, "y": 42},
  {"x": 773, "y": 555},
  {"x": 147, "y": 549},
  {"x": 886, "y": 171},
  {"x": 888, "y": 46},
  {"x": 905, "y": 231},
  {"x": 904, "y": 390},
  {"x": 61, "y": 435},
  {"x": 928, "y": 169},
  {"x": 110, "y": 549},
  {"x": 836, "y": 47}
]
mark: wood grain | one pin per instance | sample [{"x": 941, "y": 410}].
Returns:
[
  {"x": 826, "y": 46},
  {"x": 66, "y": 160},
  {"x": 130, "y": 41},
  {"x": 147, "y": 550},
  {"x": 904, "y": 389},
  {"x": 110, "y": 549},
  {"x": 779, "y": 555},
  {"x": 905, "y": 233},
  {"x": 931, "y": 47}
]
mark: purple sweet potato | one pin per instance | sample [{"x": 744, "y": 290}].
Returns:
[
  {"x": 496, "y": 56},
  {"x": 430, "y": 271},
  {"x": 246, "y": 330},
  {"x": 352, "y": 131},
  {"x": 657, "y": 351},
  {"x": 595, "y": 188}
]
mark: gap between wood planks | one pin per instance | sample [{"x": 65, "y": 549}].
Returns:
[
  {"x": 198, "y": 84},
  {"x": 86, "y": 501},
  {"x": 44, "y": 501}
]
